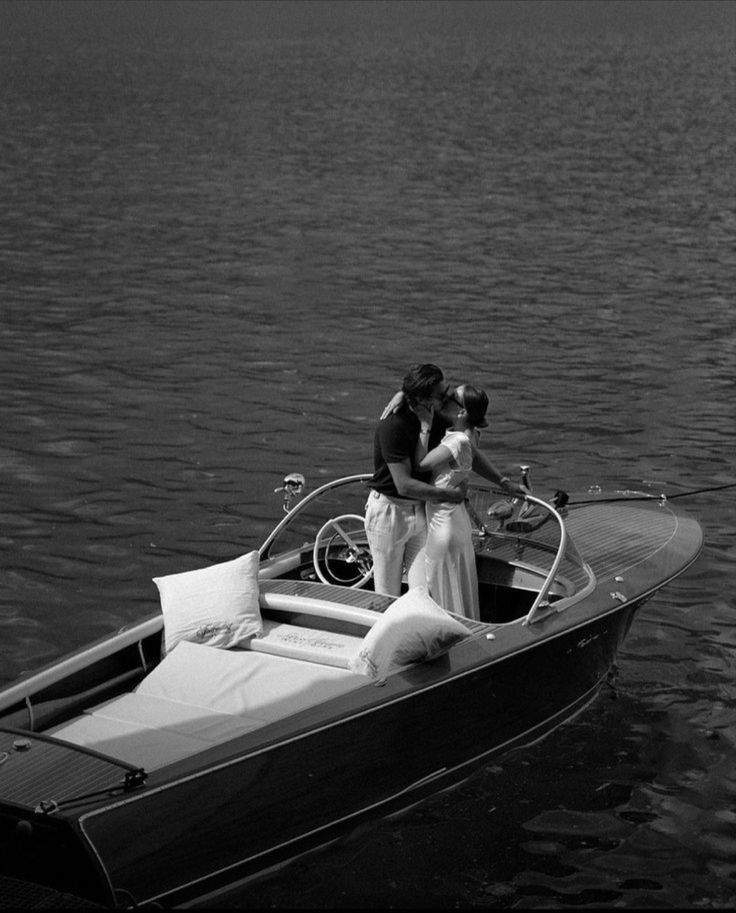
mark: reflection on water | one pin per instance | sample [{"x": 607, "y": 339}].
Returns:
[{"x": 216, "y": 268}]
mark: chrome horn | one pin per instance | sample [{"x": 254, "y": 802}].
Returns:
[
  {"x": 292, "y": 486},
  {"x": 528, "y": 485}
]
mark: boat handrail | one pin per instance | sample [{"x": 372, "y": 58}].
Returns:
[
  {"x": 561, "y": 550},
  {"x": 27, "y": 686},
  {"x": 335, "y": 483}
]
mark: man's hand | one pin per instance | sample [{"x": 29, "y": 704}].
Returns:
[
  {"x": 459, "y": 493},
  {"x": 425, "y": 415}
]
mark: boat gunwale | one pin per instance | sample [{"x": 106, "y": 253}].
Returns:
[
  {"x": 23, "y": 690},
  {"x": 409, "y": 691},
  {"x": 562, "y": 716}
]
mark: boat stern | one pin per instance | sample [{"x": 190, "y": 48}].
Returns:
[{"x": 45, "y": 785}]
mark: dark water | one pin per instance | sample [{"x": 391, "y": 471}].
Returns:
[{"x": 224, "y": 236}]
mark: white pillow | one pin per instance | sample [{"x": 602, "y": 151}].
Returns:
[
  {"x": 216, "y": 605},
  {"x": 411, "y": 629}
]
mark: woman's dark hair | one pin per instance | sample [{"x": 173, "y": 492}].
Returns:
[
  {"x": 475, "y": 403},
  {"x": 420, "y": 381}
]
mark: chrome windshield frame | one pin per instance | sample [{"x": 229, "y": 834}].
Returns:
[
  {"x": 287, "y": 518},
  {"x": 565, "y": 543}
]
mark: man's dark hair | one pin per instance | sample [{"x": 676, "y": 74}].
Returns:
[{"x": 420, "y": 381}]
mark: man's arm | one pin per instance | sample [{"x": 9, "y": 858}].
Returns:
[
  {"x": 409, "y": 487},
  {"x": 436, "y": 457}
]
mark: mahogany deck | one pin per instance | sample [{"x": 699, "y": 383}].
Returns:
[{"x": 610, "y": 537}]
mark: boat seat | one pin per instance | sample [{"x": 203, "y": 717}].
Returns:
[
  {"x": 244, "y": 682},
  {"x": 199, "y": 696},
  {"x": 306, "y": 644},
  {"x": 151, "y": 732}
]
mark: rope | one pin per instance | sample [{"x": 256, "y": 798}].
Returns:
[{"x": 682, "y": 494}]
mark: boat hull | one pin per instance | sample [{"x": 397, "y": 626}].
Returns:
[{"x": 249, "y": 813}]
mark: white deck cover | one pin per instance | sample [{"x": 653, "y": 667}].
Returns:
[
  {"x": 200, "y": 696},
  {"x": 150, "y": 733},
  {"x": 244, "y": 683}
]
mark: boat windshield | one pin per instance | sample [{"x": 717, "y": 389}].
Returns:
[
  {"x": 541, "y": 543},
  {"x": 548, "y": 546}
]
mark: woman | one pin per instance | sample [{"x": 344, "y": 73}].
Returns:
[{"x": 451, "y": 574}]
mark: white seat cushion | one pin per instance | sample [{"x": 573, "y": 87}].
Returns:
[
  {"x": 156, "y": 713},
  {"x": 306, "y": 644},
  {"x": 243, "y": 682},
  {"x": 199, "y": 696},
  {"x": 151, "y": 732},
  {"x": 134, "y": 744}
]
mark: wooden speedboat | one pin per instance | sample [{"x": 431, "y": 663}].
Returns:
[{"x": 191, "y": 752}]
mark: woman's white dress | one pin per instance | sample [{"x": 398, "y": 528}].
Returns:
[{"x": 451, "y": 574}]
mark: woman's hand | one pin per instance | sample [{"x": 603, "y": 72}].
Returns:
[
  {"x": 394, "y": 404},
  {"x": 511, "y": 488},
  {"x": 425, "y": 416}
]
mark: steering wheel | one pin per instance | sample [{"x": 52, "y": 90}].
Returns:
[{"x": 347, "y": 545}]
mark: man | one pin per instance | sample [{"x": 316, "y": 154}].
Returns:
[{"x": 395, "y": 520}]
